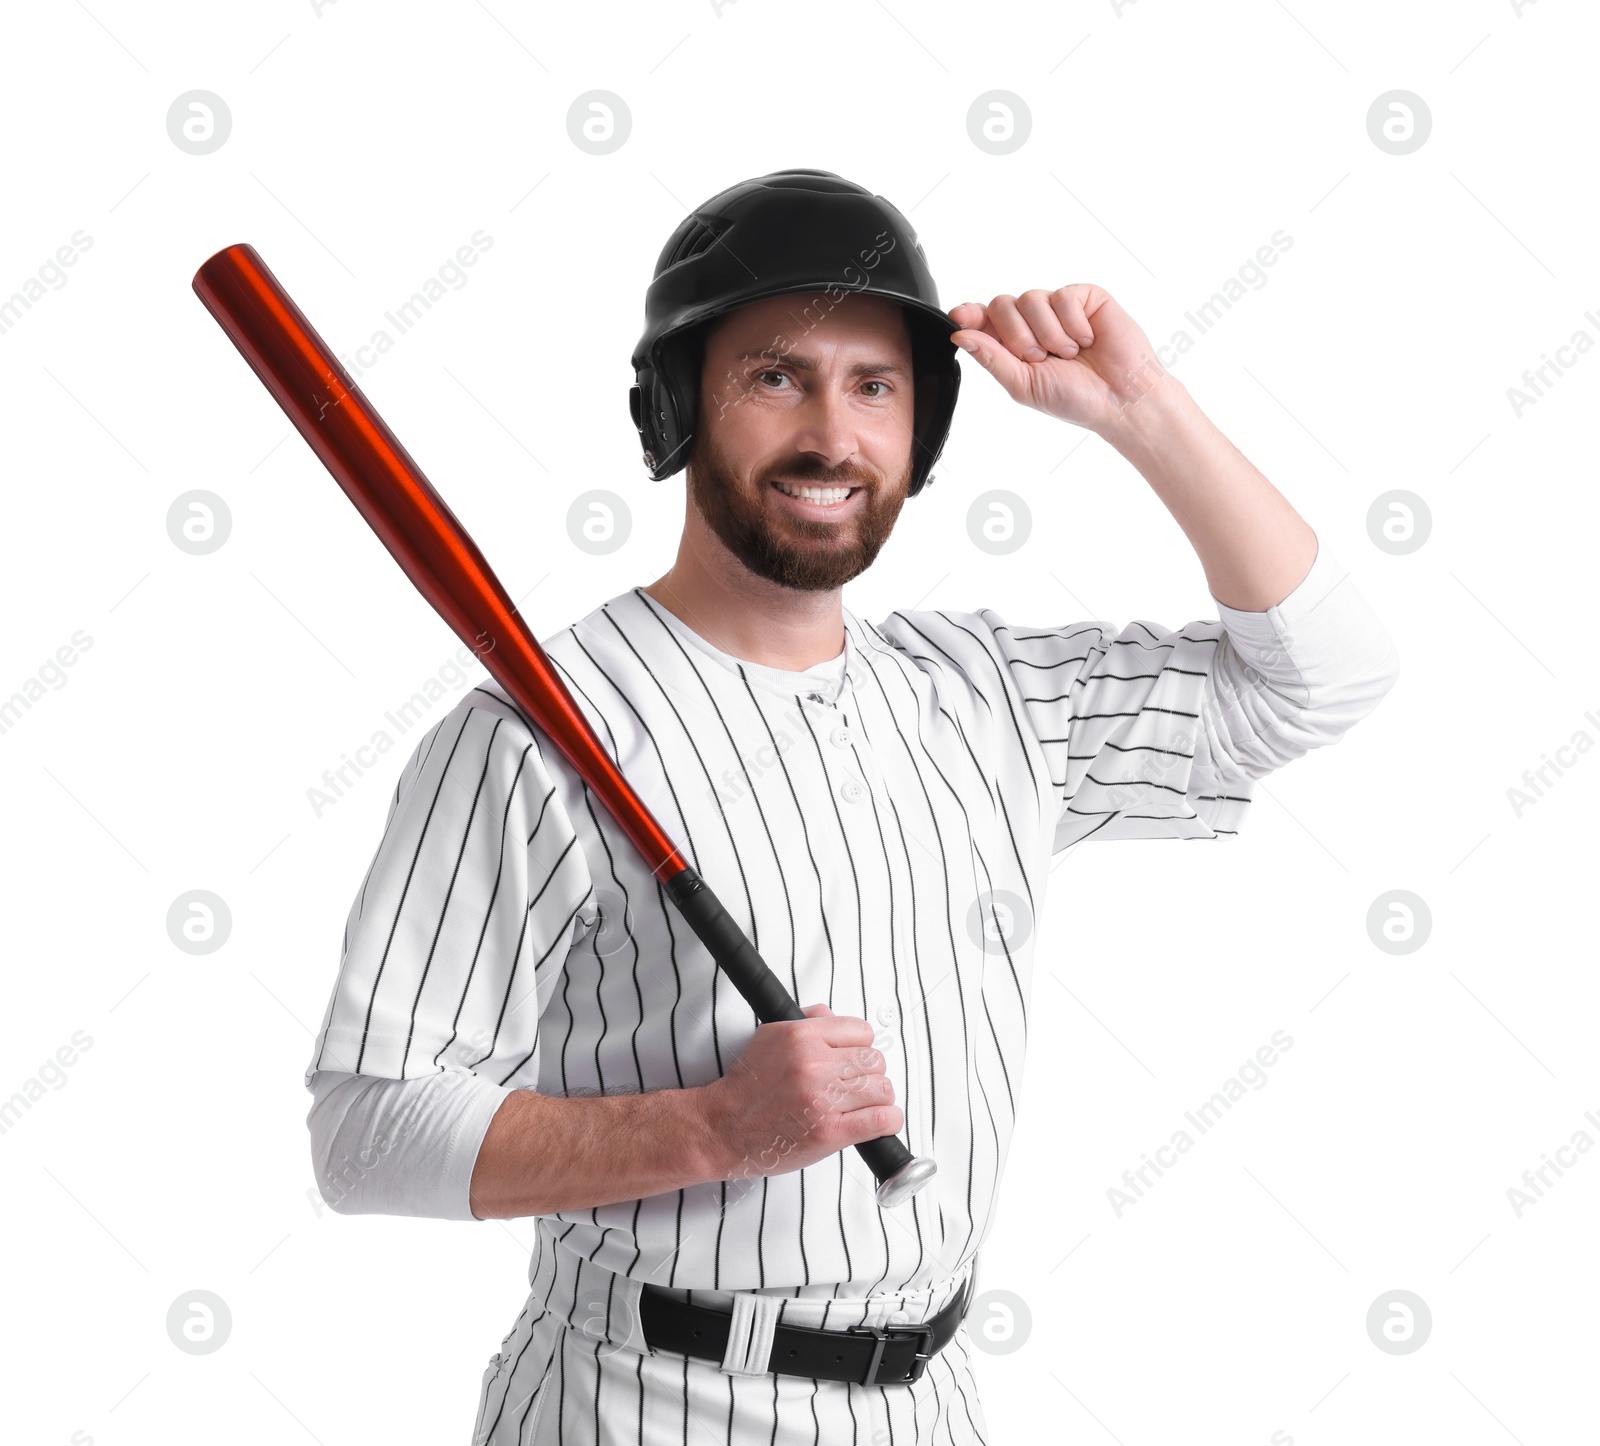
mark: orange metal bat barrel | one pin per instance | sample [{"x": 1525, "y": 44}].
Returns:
[{"x": 388, "y": 488}]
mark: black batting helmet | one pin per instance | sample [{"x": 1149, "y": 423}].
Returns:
[{"x": 790, "y": 231}]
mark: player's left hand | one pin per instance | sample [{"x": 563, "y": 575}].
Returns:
[{"x": 1071, "y": 353}]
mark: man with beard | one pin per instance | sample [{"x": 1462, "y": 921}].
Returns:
[{"x": 532, "y": 1031}]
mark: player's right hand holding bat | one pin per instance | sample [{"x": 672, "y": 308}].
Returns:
[{"x": 800, "y": 1091}]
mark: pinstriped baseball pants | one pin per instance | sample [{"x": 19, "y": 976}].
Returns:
[{"x": 576, "y": 1369}]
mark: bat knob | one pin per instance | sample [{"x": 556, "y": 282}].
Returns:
[{"x": 905, "y": 1182}]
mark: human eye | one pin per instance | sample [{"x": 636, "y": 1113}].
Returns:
[
  {"x": 873, "y": 382},
  {"x": 769, "y": 372}
]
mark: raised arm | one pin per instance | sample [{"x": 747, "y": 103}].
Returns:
[{"x": 1075, "y": 354}]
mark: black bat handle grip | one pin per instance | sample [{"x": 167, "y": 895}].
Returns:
[{"x": 899, "y": 1173}]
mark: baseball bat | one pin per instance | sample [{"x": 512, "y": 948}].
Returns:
[{"x": 434, "y": 550}]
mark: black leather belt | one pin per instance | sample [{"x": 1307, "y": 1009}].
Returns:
[{"x": 870, "y": 1355}]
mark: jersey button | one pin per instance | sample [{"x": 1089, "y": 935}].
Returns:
[
  {"x": 887, "y": 1014},
  {"x": 851, "y": 791},
  {"x": 840, "y": 736}
]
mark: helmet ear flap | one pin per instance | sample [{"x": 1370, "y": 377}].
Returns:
[
  {"x": 657, "y": 417},
  {"x": 663, "y": 402},
  {"x": 937, "y": 382}
]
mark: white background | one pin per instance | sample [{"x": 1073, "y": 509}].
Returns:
[{"x": 1168, "y": 143}]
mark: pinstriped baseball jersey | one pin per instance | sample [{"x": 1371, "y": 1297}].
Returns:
[{"x": 887, "y": 852}]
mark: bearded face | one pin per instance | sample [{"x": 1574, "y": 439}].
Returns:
[
  {"x": 801, "y": 460},
  {"x": 811, "y": 546}
]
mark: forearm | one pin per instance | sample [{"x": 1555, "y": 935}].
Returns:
[
  {"x": 547, "y": 1153},
  {"x": 1255, "y": 548}
]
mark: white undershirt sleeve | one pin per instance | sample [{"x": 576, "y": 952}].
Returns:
[
  {"x": 399, "y": 1146},
  {"x": 1298, "y": 675}
]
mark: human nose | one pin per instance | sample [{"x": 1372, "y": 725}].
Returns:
[{"x": 826, "y": 426}]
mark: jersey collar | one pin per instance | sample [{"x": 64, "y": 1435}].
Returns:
[{"x": 854, "y": 649}]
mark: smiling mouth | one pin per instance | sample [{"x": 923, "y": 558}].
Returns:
[{"x": 817, "y": 493}]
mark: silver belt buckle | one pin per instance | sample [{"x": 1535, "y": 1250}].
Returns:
[{"x": 881, "y": 1336}]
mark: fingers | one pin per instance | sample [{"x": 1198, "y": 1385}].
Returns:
[
  {"x": 865, "y": 1091},
  {"x": 872, "y": 1123},
  {"x": 991, "y": 349},
  {"x": 853, "y": 1063},
  {"x": 1013, "y": 330},
  {"x": 1048, "y": 322},
  {"x": 970, "y": 316},
  {"x": 1042, "y": 323},
  {"x": 843, "y": 1031},
  {"x": 816, "y": 1083},
  {"x": 1068, "y": 303},
  {"x": 1036, "y": 325}
]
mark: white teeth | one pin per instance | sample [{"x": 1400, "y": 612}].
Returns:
[{"x": 814, "y": 494}]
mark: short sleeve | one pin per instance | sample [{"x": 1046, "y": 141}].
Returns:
[
  {"x": 1118, "y": 713},
  {"x": 477, "y": 890},
  {"x": 1154, "y": 732},
  {"x": 1109, "y": 722}
]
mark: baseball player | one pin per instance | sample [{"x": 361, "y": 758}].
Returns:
[{"x": 523, "y": 1026}]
